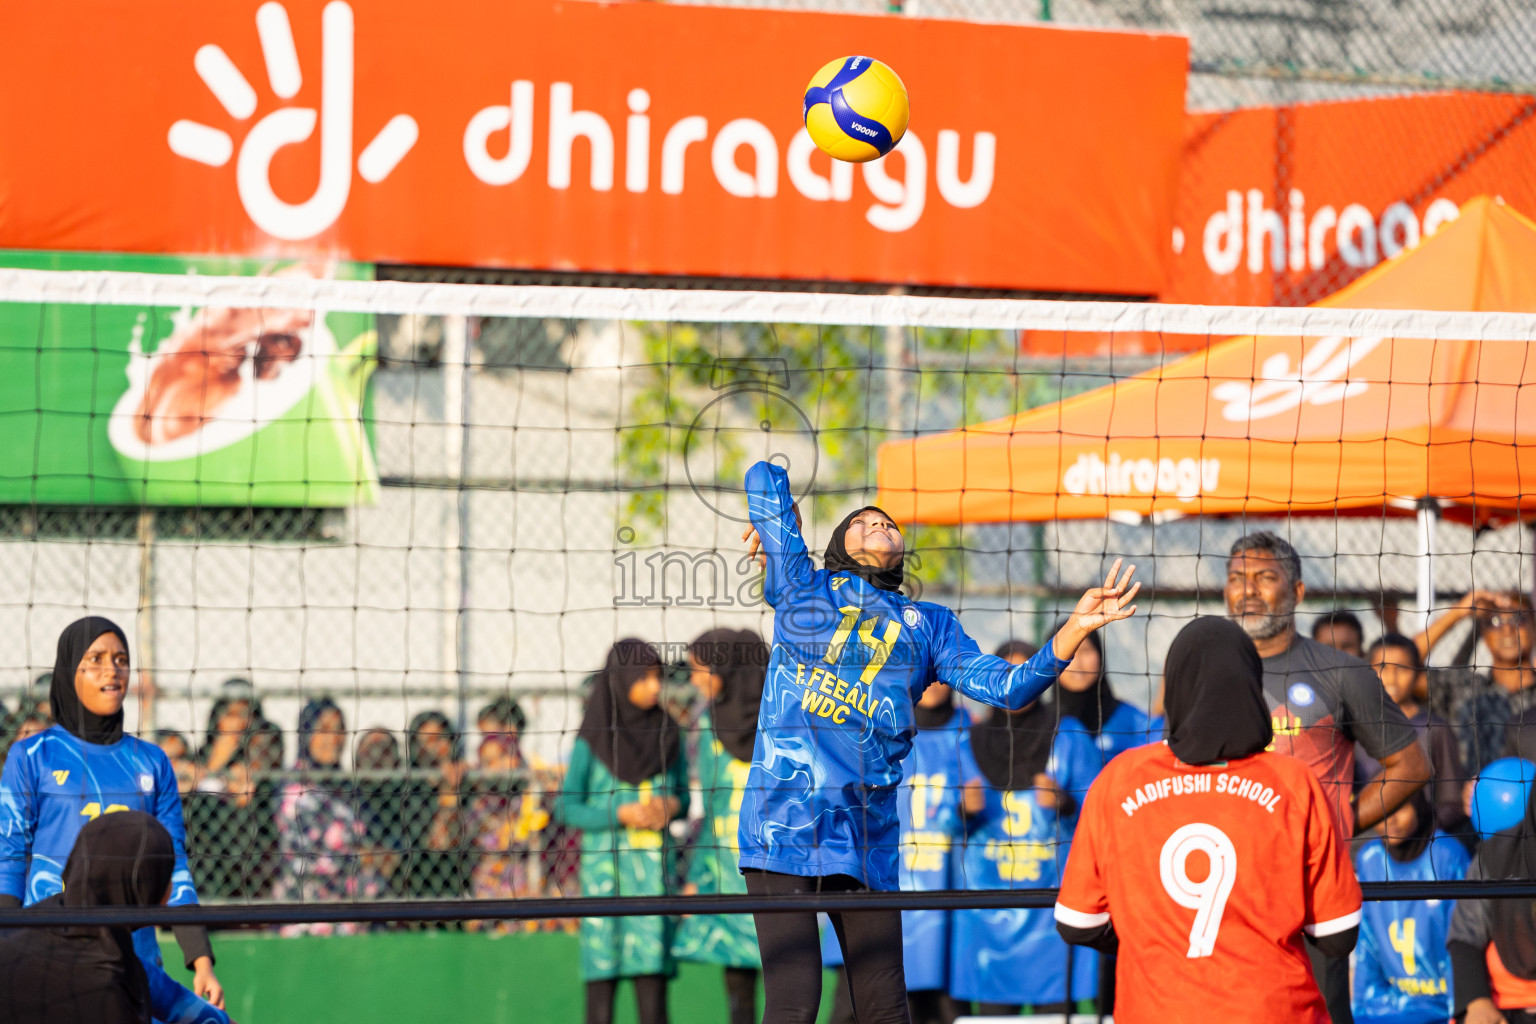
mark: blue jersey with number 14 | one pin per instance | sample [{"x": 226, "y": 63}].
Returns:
[
  {"x": 932, "y": 826},
  {"x": 849, "y": 662}
]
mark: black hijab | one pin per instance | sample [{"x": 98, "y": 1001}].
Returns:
[
  {"x": 81, "y": 974},
  {"x": 1511, "y": 854},
  {"x": 309, "y": 721},
  {"x": 740, "y": 658},
  {"x": 1092, "y": 706},
  {"x": 1214, "y": 693},
  {"x": 235, "y": 690},
  {"x": 935, "y": 717},
  {"x": 634, "y": 743},
  {"x": 119, "y": 860},
  {"x": 68, "y": 712},
  {"x": 837, "y": 558},
  {"x": 1411, "y": 848},
  {"x": 1012, "y": 747}
]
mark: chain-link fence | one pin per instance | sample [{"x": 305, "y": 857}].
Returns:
[
  {"x": 540, "y": 499},
  {"x": 1245, "y": 52}
]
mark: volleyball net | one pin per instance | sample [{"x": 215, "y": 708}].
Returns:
[{"x": 372, "y": 539}]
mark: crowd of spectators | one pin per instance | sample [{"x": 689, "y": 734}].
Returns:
[
  {"x": 418, "y": 816},
  {"x": 424, "y": 823}
]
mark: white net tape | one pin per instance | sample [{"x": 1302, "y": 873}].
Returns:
[{"x": 708, "y": 306}]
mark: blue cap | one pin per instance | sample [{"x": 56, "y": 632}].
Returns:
[{"x": 1502, "y": 792}]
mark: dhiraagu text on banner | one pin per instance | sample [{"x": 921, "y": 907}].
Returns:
[{"x": 129, "y": 405}]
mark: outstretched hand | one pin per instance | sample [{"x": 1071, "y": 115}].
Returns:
[
  {"x": 1096, "y": 609},
  {"x": 755, "y": 543}
]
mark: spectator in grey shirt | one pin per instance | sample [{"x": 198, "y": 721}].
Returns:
[{"x": 1322, "y": 702}]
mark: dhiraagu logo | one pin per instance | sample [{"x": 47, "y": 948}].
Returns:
[{"x": 289, "y": 125}]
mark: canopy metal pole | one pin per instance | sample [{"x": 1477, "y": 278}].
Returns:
[
  {"x": 1429, "y": 512},
  {"x": 146, "y": 622}
]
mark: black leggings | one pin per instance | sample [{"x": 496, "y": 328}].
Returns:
[
  {"x": 650, "y": 998},
  {"x": 741, "y": 994},
  {"x": 927, "y": 1006},
  {"x": 791, "y": 947}
]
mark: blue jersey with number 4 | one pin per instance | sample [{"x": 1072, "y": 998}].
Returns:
[
  {"x": 1402, "y": 968},
  {"x": 1015, "y": 956},
  {"x": 849, "y": 662}
]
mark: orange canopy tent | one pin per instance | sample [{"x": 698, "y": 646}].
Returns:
[{"x": 1277, "y": 425}]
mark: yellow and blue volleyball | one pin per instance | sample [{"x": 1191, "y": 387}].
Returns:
[{"x": 856, "y": 109}]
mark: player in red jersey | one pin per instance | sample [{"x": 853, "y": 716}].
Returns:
[{"x": 1206, "y": 860}]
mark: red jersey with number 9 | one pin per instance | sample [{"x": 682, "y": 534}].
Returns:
[{"x": 1210, "y": 875}]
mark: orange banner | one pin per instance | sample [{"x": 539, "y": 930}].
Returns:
[
  {"x": 568, "y": 135},
  {"x": 1286, "y": 205}
]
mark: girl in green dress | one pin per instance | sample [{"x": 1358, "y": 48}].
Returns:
[
  {"x": 727, "y": 667},
  {"x": 627, "y": 780}
]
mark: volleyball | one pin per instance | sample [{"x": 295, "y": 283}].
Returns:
[{"x": 856, "y": 109}]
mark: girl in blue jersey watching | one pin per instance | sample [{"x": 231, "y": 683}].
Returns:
[
  {"x": 1038, "y": 763},
  {"x": 56, "y": 782},
  {"x": 851, "y": 656},
  {"x": 1084, "y": 693},
  {"x": 1402, "y": 966},
  {"x": 942, "y": 785}
]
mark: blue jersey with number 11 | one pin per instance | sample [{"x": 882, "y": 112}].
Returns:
[{"x": 849, "y": 662}]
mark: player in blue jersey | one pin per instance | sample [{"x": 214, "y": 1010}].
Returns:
[
  {"x": 851, "y": 656},
  {"x": 1084, "y": 693},
  {"x": 78, "y": 770},
  {"x": 940, "y": 786},
  {"x": 1402, "y": 966},
  {"x": 1038, "y": 764}
]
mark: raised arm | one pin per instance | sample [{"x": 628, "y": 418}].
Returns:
[
  {"x": 776, "y": 528},
  {"x": 958, "y": 661},
  {"x": 1435, "y": 631}
]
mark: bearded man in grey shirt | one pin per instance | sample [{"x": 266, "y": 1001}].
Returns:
[{"x": 1322, "y": 702}]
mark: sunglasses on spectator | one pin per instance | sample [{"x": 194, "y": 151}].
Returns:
[{"x": 1502, "y": 619}]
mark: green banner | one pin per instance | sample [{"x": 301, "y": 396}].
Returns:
[{"x": 123, "y": 405}]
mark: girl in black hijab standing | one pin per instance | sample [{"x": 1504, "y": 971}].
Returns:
[
  {"x": 91, "y": 975},
  {"x": 1206, "y": 854},
  {"x": 1083, "y": 692},
  {"x": 84, "y": 767},
  {"x": 1036, "y": 765},
  {"x": 727, "y": 667},
  {"x": 626, "y": 782}
]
